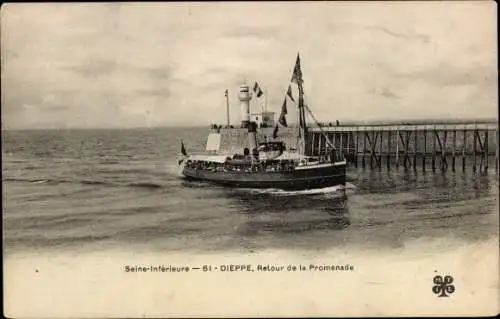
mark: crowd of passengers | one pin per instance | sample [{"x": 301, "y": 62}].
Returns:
[
  {"x": 282, "y": 166},
  {"x": 275, "y": 166},
  {"x": 219, "y": 127},
  {"x": 263, "y": 125}
]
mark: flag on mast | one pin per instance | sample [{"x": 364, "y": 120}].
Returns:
[
  {"x": 183, "y": 152},
  {"x": 297, "y": 72},
  {"x": 275, "y": 132},
  {"x": 289, "y": 93},
  {"x": 282, "y": 119},
  {"x": 257, "y": 90},
  {"x": 183, "y": 149}
]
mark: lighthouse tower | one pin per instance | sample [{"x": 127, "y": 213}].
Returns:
[{"x": 245, "y": 96}]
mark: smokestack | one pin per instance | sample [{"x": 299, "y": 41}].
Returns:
[{"x": 252, "y": 139}]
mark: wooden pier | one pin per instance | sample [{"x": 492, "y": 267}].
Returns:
[{"x": 412, "y": 146}]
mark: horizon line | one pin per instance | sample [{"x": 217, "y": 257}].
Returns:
[{"x": 343, "y": 122}]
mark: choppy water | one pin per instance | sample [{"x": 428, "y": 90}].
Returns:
[{"x": 96, "y": 190}]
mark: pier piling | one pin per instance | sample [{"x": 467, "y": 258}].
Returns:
[
  {"x": 454, "y": 151},
  {"x": 474, "y": 150},
  {"x": 464, "y": 148},
  {"x": 388, "y": 155},
  {"x": 363, "y": 164},
  {"x": 425, "y": 150},
  {"x": 415, "y": 143},
  {"x": 434, "y": 150},
  {"x": 444, "y": 162},
  {"x": 486, "y": 150},
  {"x": 397, "y": 148},
  {"x": 496, "y": 151},
  {"x": 356, "y": 147}
]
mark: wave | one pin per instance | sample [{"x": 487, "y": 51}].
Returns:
[
  {"x": 155, "y": 185},
  {"x": 40, "y": 181},
  {"x": 124, "y": 170},
  {"x": 173, "y": 169},
  {"x": 35, "y": 181},
  {"x": 274, "y": 191},
  {"x": 350, "y": 186},
  {"x": 145, "y": 185},
  {"x": 91, "y": 182},
  {"x": 150, "y": 185},
  {"x": 108, "y": 161},
  {"x": 282, "y": 192}
]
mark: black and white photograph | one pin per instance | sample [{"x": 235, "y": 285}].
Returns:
[{"x": 250, "y": 159}]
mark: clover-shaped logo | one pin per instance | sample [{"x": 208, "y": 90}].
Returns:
[{"x": 443, "y": 287}]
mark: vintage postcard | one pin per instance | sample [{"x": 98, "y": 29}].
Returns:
[{"x": 250, "y": 159}]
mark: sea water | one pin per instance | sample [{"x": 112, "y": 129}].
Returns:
[{"x": 103, "y": 199}]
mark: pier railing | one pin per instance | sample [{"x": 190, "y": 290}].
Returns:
[{"x": 412, "y": 145}]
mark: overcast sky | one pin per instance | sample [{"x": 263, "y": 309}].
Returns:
[{"x": 168, "y": 64}]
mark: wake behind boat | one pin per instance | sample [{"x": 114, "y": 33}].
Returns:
[{"x": 249, "y": 157}]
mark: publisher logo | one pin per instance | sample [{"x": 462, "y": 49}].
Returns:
[{"x": 443, "y": 287}]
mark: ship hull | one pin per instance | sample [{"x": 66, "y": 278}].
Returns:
[{"x": 299, "y": 179}]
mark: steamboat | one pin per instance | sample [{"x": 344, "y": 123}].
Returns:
[{"x": 250, "y": 157}]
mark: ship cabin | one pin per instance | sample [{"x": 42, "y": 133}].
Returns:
[
  {"x": 274, "y": 146},
  {"x": 270, "y": 150}
]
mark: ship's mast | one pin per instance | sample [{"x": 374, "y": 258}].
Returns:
[
  {"x": 297, "y": 78},
  {"x": 302, "y": 115},
  {"x": 227, "y": 108},
  {"x": 265, "y": 100}
]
